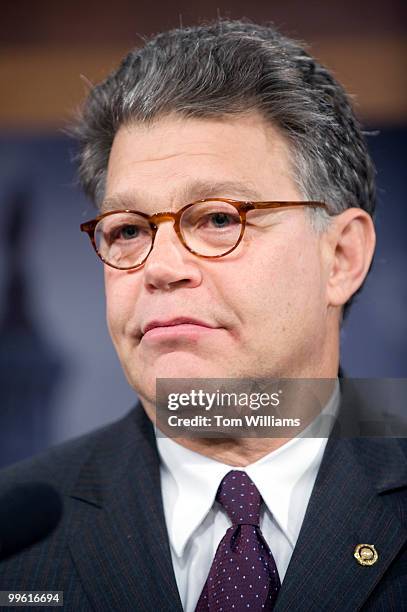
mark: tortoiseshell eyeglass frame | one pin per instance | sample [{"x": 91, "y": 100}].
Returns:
[{"x": 242, "y": 207}]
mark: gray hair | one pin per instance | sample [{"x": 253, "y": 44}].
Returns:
[{"x": 229, "y": 68}]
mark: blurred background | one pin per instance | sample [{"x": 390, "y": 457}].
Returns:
[{"x": 59, "y": 375}]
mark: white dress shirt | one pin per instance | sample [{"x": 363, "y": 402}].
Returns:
[{"x": 196, "y": 524}]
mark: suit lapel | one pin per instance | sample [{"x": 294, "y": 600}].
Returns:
[
  {"x": 346, "y": 509},
  {"x": 118, "y": 538}
]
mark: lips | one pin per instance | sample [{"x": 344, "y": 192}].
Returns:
[{"x": 173, "y": 322}]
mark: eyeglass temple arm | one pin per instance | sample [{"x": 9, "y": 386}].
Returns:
[
  {"x": 281, "y": 204},
  {"x": 88, "y": 226}
]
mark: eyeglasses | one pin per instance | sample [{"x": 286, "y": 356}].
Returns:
[{"x": 209, "y": 228}]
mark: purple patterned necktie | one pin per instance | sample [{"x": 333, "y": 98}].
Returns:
[{"x": 243, "y": 575}]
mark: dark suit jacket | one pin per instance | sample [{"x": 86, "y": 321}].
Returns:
[{"x": 111, "y": 549}]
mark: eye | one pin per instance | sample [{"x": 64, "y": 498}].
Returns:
[
  {"x": 127, "y": 232},
  {"x": 221, "y": 219},
  {"x": 210, "y": 218},
  {"x": 217, "y": 220}
]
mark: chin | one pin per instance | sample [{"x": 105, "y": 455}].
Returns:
[
  {"x": 174, "y": 366},
  {"x": 189, "y": 369}
]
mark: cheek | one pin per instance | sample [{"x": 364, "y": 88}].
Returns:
[
  {"x": 120, "y": 292},
  {"x": 276, "y": 279}
]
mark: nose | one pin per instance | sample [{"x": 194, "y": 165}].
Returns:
[{"x": 170, "y": 264}]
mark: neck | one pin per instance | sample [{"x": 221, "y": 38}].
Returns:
[
  {"x": 236, "y": 452},
  {"x": 301, "y": 400}
]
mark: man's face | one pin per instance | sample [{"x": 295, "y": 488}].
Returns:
[{"x": 262, "y": 308}]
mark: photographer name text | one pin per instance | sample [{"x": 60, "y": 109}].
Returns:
[{"x": 222, "y": 421}]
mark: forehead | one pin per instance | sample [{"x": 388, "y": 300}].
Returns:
[{"x": 176, "y": 160}]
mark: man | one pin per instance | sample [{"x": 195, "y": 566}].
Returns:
[{"x": 251, "y": 281}]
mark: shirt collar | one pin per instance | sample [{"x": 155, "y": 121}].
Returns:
[{"x": 191, "y": 480}]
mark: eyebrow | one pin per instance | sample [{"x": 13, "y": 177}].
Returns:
[{"x": 196, "y": 190}]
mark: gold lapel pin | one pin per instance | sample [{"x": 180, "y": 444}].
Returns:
[{"x": 366, "y": 554}]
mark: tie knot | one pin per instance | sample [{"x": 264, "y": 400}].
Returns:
[{"x": 240, "y": 498}]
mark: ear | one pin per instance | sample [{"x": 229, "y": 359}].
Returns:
[{"x": 352, "y": 240}]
